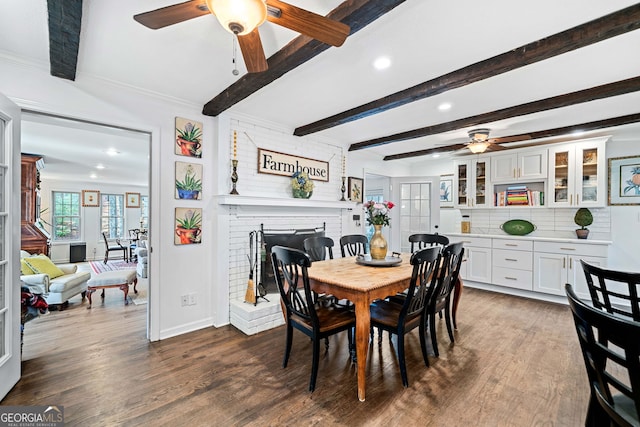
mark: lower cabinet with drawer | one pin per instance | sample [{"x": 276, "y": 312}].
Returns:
[
  {"x": 555, "y": 264},
  {"x": 513, "y": 263}
]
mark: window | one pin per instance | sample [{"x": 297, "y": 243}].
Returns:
[
  {"x": 66, "y": 216},
  {"x": 112, "y": 215},
  {"x": 144, "y": 212}
]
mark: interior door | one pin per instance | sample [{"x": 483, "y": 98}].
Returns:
[
  {"x": 418, "y": 201},
  {"x": 9, "y": 245}
]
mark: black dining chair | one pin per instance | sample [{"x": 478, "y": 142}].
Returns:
[
  {"x": 400, "y": 319},
  {"x": 318, "y": 247},
  {"x": 440, "y": 299},
  {"x": 616, "y": 292},
  {"x": 354, "y": 244},
  {"x": 611, "y": 352},
  {"x": 426, "y": 240},
  {"x": 114, "y": 248},
  {"x": 300, "y": 308}
]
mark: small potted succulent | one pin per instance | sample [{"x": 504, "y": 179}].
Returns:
[
  {"x": 188, "y": 139},
  {"x": 583, "y": 218},
  {"x": 190, "y": 187}
]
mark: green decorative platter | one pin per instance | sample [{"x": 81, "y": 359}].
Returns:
[{"x": 518, "y": 227}]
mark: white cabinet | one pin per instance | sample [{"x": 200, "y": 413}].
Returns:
[
  {"x": 555, "y": 264},
  {"x": 512, "y": 263},
  {"x": 519, "y": 166},
  {"x": 476, "y": 265},
  {"x": 577, "y": 176},
  {"x": 471, "y": 184}
]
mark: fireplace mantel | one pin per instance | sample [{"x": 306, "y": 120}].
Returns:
[{"x": 288, "y": 202}]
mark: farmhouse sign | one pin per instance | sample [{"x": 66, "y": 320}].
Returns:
[{"x": 275, "y": 163}]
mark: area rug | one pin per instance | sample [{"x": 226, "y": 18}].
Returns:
[
  {"x": 100, "y": 267},
  {"x": 141, "y": 297}
]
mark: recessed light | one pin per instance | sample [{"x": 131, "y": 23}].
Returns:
[
  {"x": 382, "y": 63},
  {"x": 112, "y": 152},
  {"x": 445, "y": 106},
  {"x": 100, "y": 166},
  {"x": 436, "y": 155},
  {"x": 93, "y": 176}
]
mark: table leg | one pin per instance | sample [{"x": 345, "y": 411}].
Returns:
[
  {"x": 457, "y": 291},
  {"x": 363, "y": 321}
]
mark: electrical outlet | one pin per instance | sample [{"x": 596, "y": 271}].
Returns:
[
  {"x": 185, "y": 300},
  {"x": 192, "y": 299}
]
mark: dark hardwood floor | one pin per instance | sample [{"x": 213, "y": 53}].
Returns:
[{"x": 516, "y": 362}]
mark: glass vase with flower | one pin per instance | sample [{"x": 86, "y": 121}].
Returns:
[{"x": 378, "y": 216}]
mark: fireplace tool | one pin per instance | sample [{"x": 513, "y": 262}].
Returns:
[
  {"x": 257, "y": 257},
  {"x": 260, "y": 246},
  {"x": 250, "y": 294}
]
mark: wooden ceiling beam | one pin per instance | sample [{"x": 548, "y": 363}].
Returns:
[
  {"x": 548, "y": 133},
  {"x": 355, "y": 13},
  {"x": 65, "y": 20},
  {"x": 600, "y": 29},
  {"x": 598, "y": 92}
]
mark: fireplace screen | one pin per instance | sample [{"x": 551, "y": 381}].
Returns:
[{"x": 292, "y": 238}]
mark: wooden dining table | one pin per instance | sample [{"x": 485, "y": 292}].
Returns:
[{"x": 346, "y": 279}]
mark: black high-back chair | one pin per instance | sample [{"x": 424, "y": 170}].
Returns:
[
  {"x": 616, "y": 292},
  {"x": 611, "y": 352},
  {"x": 399, "y": 319},
  {"x": 440, "y": 299},
  {"x": 301, "y": 310},
  {"x": 318, "y": 248},
  {"x": 114, "y": 248},
  {"x": 425, "y": 240},
  {"x": 354, "y": 244}
]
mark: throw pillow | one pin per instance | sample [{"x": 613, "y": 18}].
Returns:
[
  {"x": 42, "y": 264},
  {"x": 25, "y": 270}
]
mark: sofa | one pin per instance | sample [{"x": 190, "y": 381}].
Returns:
[
  {"x": 142, "y": 255},
  {"x": 58, "y": 283}
]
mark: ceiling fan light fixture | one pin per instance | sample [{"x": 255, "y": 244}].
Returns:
[
  {"x": 239, "y": 17},
  {"x": 478, "y": 147}
]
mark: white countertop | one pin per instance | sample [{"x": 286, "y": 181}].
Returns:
[{"x": 536, "y": 238}]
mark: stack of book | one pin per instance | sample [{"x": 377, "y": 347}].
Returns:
[{"x": 519, "y": 195}]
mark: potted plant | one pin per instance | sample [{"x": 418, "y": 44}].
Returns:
[
  {"x": 301, "y": 185},
  {"x": 188, "y": 229},
  {"x": 190, "y": 187},
  {"x": 189, "y": 140},
  {"x": 583, "y": 218}
]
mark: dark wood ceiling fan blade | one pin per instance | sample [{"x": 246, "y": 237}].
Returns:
[
  {"x": 170, "y": 15},
  {"x": 252, "y": 52},
  {"x": 308, "y": 23},
  {"x": 496, "y": 147}
]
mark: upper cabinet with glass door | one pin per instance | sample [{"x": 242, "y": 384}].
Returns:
[
  {"x": 471, "y": 184},
  {"x": 577, "y": 176}
]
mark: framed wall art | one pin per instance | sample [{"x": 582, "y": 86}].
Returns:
[
  {"x": 355, "y": 186},
  {"x": 188, "y": 226},
  {"x": 624, "y": 181},
  {"x": 188, "y": 138},
  {"x": 90, "y": 198},
  {"x": 188, "y": 181},
  {"x": 446, "y": 191},
  {"x": 132, "y": 200}
]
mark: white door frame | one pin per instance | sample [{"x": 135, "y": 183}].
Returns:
[{"x": 10, "y": 366}]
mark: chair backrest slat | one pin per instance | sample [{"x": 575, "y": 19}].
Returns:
[
  {"x": 425, "y": 240},
  {"x": 423, "y": 279},
  {"x": 613, "y": 291},
  {"x": 290, "y": 271},
  {"x": 611, "y": 350},
  {"x": 354, "y": 244},
  {"x": 447, "y": 277},
  {"x": 318, "y": 248}
]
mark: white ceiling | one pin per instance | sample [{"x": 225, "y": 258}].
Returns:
[{"x": 424, "y": 39}]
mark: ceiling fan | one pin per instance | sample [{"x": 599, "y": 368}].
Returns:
[
  {"x": 479, "y": 142},
  {"x": 243, "y": 17}
]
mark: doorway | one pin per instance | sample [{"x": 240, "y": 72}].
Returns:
[{"x": 83, "y": 157}]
